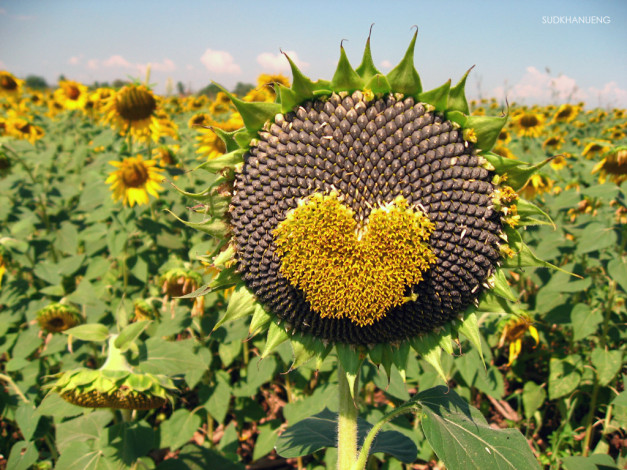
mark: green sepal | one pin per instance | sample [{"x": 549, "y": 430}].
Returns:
[
  {"x": 227, "y": 160},
  {"x": 487, "y": 129},
  {"x": 241, "y": 304},
  {"x": 470, "y": 329},
  {"x": 276, "y": 336},
  {"x": 351, "y": 362},
  {"x": 457, "y": 117},
  {"x": 457, "y": 96},
  {"x": 243, "y": 137},
  {"x": 141, "y": 382},
  {"x": 501, "y": 286},
  {"x": 260, "y": 321},
  {"x": 387, "y": 357},
  {"x": 376, "y": 354},
  {"x": 492, "y": 303},
  {"x": 288, "y": 98},
  {"x": 438, "y": 97},
  {"x": 114, "y": 375},
  {"x": 404, "y": 78},
  {"x": 223, "y": 258},
  {"x": 206, "y": 196},
  {"x": 227, "y": 137},
  {"x": 379, "y": 85},
  {"x": 523, "y": 256},
  {"x": 530, "y": 214},
  {"x": 345, "y": 78},
  {"x": 254, "y": 113},
  {"x": 226, "y": 278},
  {"x": 400, "y": 356},
  {"x": 214, "y": 227},
  {"x": 303, "y": 350},
  {"x": 367, "y": 69},
  {"x": 446, "y": 339},
  {"x": 428, "y": 346},
  {"x": 518, "y": 173},
  {"x": 302, "y": 86}
]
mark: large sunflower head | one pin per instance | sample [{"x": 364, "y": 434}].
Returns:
[
  {"x": 613, "y": 165},
  {"x": 529, "y": 123},
  {"x": 134, "y": 179},
  {"x": 364, "y": 211},
  {"x": 72, "y": 95}
]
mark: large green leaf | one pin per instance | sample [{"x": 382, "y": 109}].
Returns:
[
  {"x": 178, "y": 429},
  {"x": 607, "y": 364},
  {"x": 320, "y": 431},
  {"x": 23, "y": 455},
  {"x": 194, "y": 457},
  {"x": 462, "y": 438},
  {"x": 564, "y": 376}
]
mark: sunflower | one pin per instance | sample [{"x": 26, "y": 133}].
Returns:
[
  {"x": 194, "y": 103},
  {"x": 178, "y": 282},
  {"x": 133, "y": 110},
  {"x": 503, "y": 151},
  {"x": 3, "y": 262},
  {"x": 559, "y": 162},
  {"x": 10, "y": 86},
  {"x": 115, "y": 385},
  {"x": 614, "y": 165},
  {"x": 529, "y": 124},
  {"x": 200, "y": 120},
  {"x": 595, "y": 148},
  {"x": 513, "y": 331},
  {"x": 504, "y": 137},
  {"x": 364, "y": 211},
  {"x": 553, "y": 143},
  {"x": 269, "y": 82},
  {"x": 221, "y": 105},
  {"x": 565, "y": 113},
  {"x": 58, "y": 317},
  {"x": 143, "y": 310},
  {"x": 21, "y": 128},
  {"x": 72, "y": 95},
  {"x": 134, "y": 179},
  {"x": 537, "y": 185},
  {"x": 167, "y": 155},
  {"x": 260, "y": 94}
]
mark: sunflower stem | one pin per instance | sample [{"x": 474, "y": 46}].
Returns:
[{"x": 347, "y": 423}]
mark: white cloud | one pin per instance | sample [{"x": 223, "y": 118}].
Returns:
[
  {"x": 539, "y": 87},
  {"x": 189, "y": 67},
  {"x": 278, "y": 62},
  {"x": 220, "y": 62},
  {"x": 165, "y": 66},
  {"x": 117, "y": 61},
  {"x": 93, "y": 64},
  {"x": 74, "y": 60},
  {"x": 385, "y": 64}
]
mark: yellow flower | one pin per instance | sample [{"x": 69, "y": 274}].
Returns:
[
  {"x": 3, "y": 264},
  {"x": 529, "y": 124},
  {"x": 221, "y": 105},
  {"x": 260, "y": 94},
  {"x": 10, "y": 86},
  {"x": 194, "y": 103},
  {"x": 166, "y": 155},
  {"x": 504, "y": 137},
  {"x": 614, "y": 165},
  {"x": 513, "y": 331},
  {"x": 72, "y": 95},
  {"x": 553, "y": 143},
  {"x": 133, "y": 109},
  {"x": 23, "y": 129},
  {"x": 200, "y": 120},
  {"x": 503, "y": 151},
  {"x": 558, "y": 162},
  {"x": 595, "y": 148},
  {"x": 134, "y": 180},
  {"x": 209, "y": 144},
  {"x": 565, "y": 113},
  {"x": 268, "y": 81},
  {"x": 536, "y": 185}
]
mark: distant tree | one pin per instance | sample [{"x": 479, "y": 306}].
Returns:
[
  {"x": 242, "y": 88},
  {"x": 180, "y": 88},
  {"x": 210, "y": 90},
  {"x": 118, "y": 83},
  {"x": 61, "y": 78},
  {"x": 36, "y": 82}
]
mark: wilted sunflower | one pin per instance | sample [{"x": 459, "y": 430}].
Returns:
[
  {"x": 133, "y": 110},
  {"x": 143, "y": 310},
  {"x": 364, "y": 211},
  {"x": 513, "y": 331},
  {"x": 134, "y": 179},
  {"x": 178, "y": 282},
  {"x": 71, "y": 95},
  {"x": 58, "y": 317},
  {"x": 613, "y": 165},
  {"x": 529, "y": 124},
  {"x": 115, "y": 385},
  {"x": 10, "y": 86},
  {"x": 565, "y": 113}
]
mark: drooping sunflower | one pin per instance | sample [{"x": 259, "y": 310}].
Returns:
[
  {"x": 364, "y": 211},
  {"x": 529, "y": 124},
  {"x": 177, "y": 282},
  {"x": 513, "y": 330},
  {"x": 596, "y": 148},
  {"x": 134, "y": 179},
  {"x": 10, "y": 86},
  {"x": 58, "y": 317},
  {"x": 134, "y": 109},
  {"x": 71, "y": 95},
  {"x": 613, "y": 165}
]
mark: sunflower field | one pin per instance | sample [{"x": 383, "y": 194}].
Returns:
[{"x": 314, "y": 275}]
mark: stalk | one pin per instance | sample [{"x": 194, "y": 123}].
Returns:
[{"x": 347, "y": 424}]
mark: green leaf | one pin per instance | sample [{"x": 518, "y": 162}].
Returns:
[
  {"x": 241, "y": 304},
  {"x": 178, "y": 429},
  {"x": 81, "y": 429},
  {"x": 617, "y": 269},
  {"x": 89, "y": 332},
  {"x": 349, "y": 358},
  {"x": 260, "y": 321},
  {"x": 266, "y": 439},
  {"x": 523, "y": 256},
  {"x": 501, "y": 286},
  {"x": 564, "y": 377},
  {"x": 170, "y": 358},
  {"x": 194, "y": 457},
  {"x": 593, "y": 462},
  {"x": 126, "y": 442},
  {"x": 518, "y": 173},
  {"x": 320, "y": 431},
  {"x": 470, "y": 329},
  {"x": 301, "y": 85},
  {"x": 596, "y": 237},
  {"x": 457, "y": 96},
  {"x": 83, "y": 456},
  {"x": 607, "y": 364},
  {"x": 533, "y": 398},
  {"x": 462, "y": 438},
  {"x": 403, "y": 78},
  {"x": 130, "y": 333},
  {"x": 585, "y": 321},
  {"x": 27, "y": 419},
  {"x": 428, "y": 346},
  {"x": 227, "y": 160},
  {"x": 218, "y": 403},
  {"x": 530, "y": 214},
  {"x": 23, "y": 455},
  {"x": 345, "y": 78}
]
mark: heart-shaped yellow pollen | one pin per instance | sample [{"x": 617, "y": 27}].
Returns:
[{"x": 347, "y": 271}]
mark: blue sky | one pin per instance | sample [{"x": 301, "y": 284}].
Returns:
[{"x": 515, "y": 48}]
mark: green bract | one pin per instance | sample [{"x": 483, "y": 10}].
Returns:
[{"x": 365, "y": 139}]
